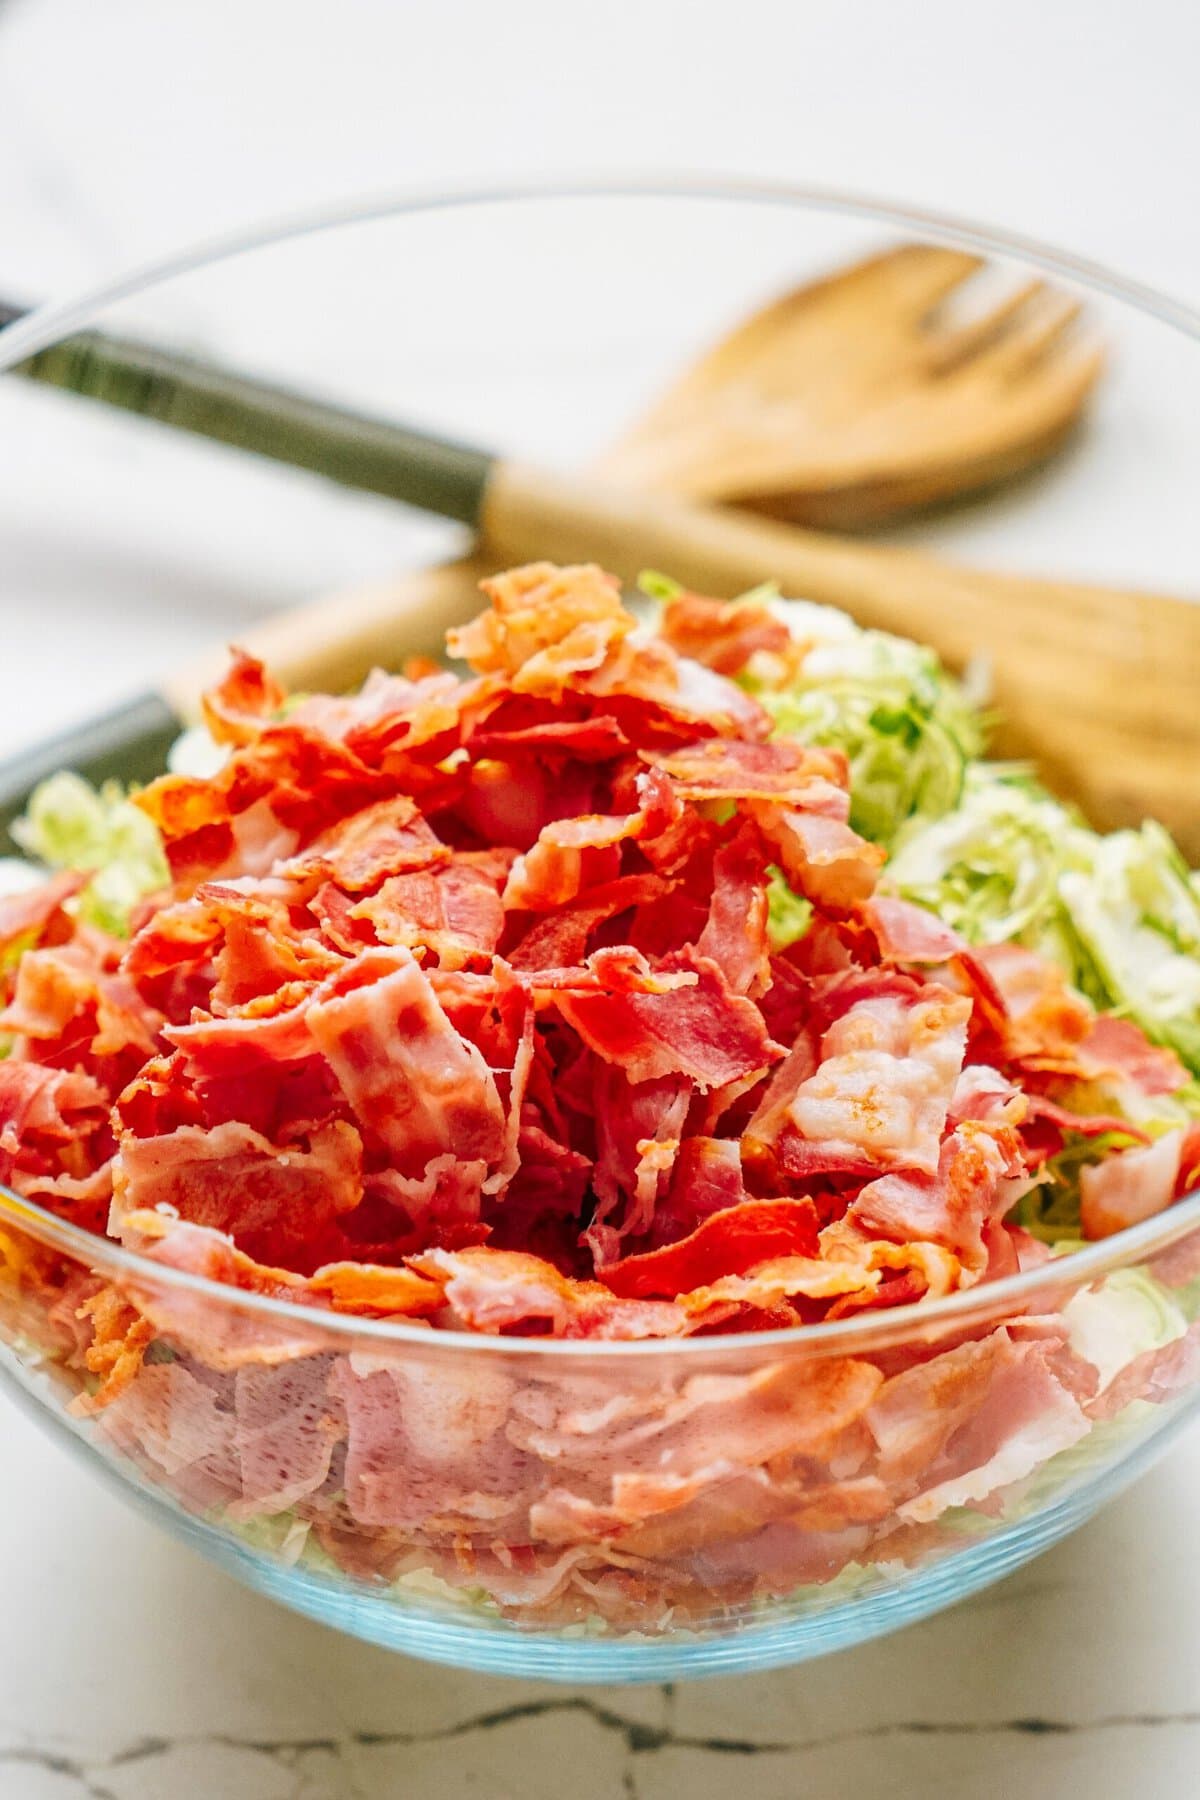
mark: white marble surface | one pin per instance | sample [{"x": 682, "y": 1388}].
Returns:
[{"x": 128, "y": 1669}]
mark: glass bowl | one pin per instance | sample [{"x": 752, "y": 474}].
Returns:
[{"x": 618, "y": 1513}]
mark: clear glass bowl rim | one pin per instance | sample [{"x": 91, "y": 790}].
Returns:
[{"x": 46, "y": 325}]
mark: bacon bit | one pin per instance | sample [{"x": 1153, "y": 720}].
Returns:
[
  {"x": 726, "y": 1243},
  {"x": 907, "y": 933},
  {"x": 1131, "y": 1186},
  {"x": 544, "y": 625},
  {"x": 462, "y": 995},
  {"x": 722, "y": 634},
  {"x": 243, "y": 703},
  {"x": 120, "y": 1338},
  {"x": 36, "y": 914},
  {"x": 359, "y": 1287}
]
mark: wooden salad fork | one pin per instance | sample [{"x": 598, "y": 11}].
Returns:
[
  {"x": 862, "y": 396},
  {"x": 1098, "y": 685}
]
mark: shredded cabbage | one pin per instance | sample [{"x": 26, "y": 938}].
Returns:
[
  {"x": 991, "y": 868},
  {"x": 1121, "y": 1318},
  {"x": 1119, "y": 914},
  {"x": 70, "y": 824},
  {"x": 982, "y": 844},
  {"x": 905, "y": 724},
  {"x": 788, "y": 914},
  {"x": 1136, "y": 915}
]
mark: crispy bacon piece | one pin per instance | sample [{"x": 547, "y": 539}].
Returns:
[
  {"x": 820, "y": 855},
  {"x": 723, "y": 634},
  {"x": 875, "y": 1092},
  {"x": 287, "y": 786},
  {"x": 908, "y": 934},
  {"x": 701, "y": 1030},
  {"x": 244, "y": 701},
  {"x": 735, "y": 932},
  {"x": 952, "y": 1207},
  {"x": 356, "y": 853},
  {"x": 1133, "y": 1185},
  {"x": 505, "y": 1291},
  {"x": 1119, "y": 1047},
  {"x": 726, "y": 1243},
  {"x": 543, "y": 626},
  {"x": 570, "y": 854},
  {"x": 414, "y": 1083},
  {"x": 785, "y": 774},
  {"x": 452, "y": 910},
  {"x": 272, "y": 1201},
  {"x": 36, "y": 914}
]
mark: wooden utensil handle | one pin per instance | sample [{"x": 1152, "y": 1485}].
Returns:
[
  {"x": 357, "y": 450},
  {"x": 1100, "y": 687}
]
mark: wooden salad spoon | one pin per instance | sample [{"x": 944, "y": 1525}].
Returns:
[
  {"x": 859, "y": 397},
  {"x": 1099, "y": 686}
]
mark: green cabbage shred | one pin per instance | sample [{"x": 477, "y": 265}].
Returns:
[{"x": 69, "y": 824}]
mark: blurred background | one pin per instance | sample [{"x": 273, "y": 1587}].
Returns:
[
  {"x": 128, "y": 127},
  {"x": 133, "y": 127}
]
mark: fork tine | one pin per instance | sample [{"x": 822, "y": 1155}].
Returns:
[
  {"x": 957, "y": 344},
  {"x": 1074, "y": 370},
  {"x": 919, "y": 276},
  {"x": 1049, "y": 327},
  {"x": 1040, "y": 329}
]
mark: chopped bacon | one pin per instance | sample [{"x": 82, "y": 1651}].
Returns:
[
  {"x": 735, "y": 932},
  {"x": 561, "y": 938},
  {"x": 1039, "y": 1021},
  {"x": 878, "y": 1096},
  {"x": 723, "y": 634},
  {"x": 543, "y": 626},
  {"x": 1119, "y": 1047},
  {"x": 785, "y": 774},
  {"x": 701, "y": 1030},
  {"x": 415, "y": 1085},
  {"x": 820, "y": 855},
  {"x": 1132, "y": 1185},
  {"x": 726, "y": 1243},
  {"x": 36, "y": 913},
  {"x": 272, "y": 1201},
  {"x": 245, "y": 700},
  {"x": 452, "y": 910},
  {"x": 506, "y": 1291},
  {"x": 289, "y": 784},
  {"x": 907, "y": 933},
  {"x": 595, "y": 739},
  {"x": 570, "y": 854},
  {"x": 356, "y": 853},
  {"x": 285, "y": 1433},
  {"x": 953, "y": 1206}
]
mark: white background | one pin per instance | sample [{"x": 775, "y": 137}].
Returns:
[{"x": 127, "y": 1669}]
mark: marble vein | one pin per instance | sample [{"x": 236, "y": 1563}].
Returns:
[{"x": 639, "y": 1739}]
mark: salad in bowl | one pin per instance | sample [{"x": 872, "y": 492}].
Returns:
[{"x": 633, "y": 1141}]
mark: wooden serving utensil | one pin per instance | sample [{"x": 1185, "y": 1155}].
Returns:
[
  {"x": 1098, "y": 685},
  {"x": 855, "y": 399}
]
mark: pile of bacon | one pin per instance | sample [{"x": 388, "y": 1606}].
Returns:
[{"x": 463, "y": 1005}]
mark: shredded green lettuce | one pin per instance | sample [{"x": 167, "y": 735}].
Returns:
[
  {"x": 1050, "y": 1211},
  {"x": 982, "y": 844},
  {"x": 788, "y": 914},
  {"x": 905, "y": 725},
  {"x": 991, "y": 867},
  {"x": 69, "y": 824},
  {"x": 1119, "y": 914},
  {"x": 1136, "y": 915}
]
